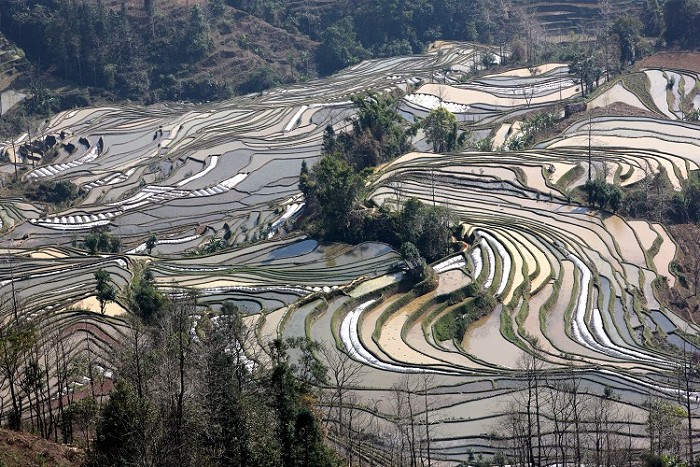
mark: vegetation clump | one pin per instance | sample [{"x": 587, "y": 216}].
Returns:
[
  {"x": 654, "y": 198},
  {"x": 58, "y": 192},
  {"x": 603, "y": 194},
  {"x": 102, "y": 241},
  {"x": 475, "y": 304},
  {"x": 334, "y": 188}
]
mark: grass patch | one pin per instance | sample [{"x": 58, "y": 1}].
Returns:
[
  {"x": 507, "y": 330},
  {"x": 638, "y": 84},
  {"x": 454, "y": 324},
  {"x": 570, "y": 177},
  {"x": 520, "y": 175},
  {"x": 655, "y": 246},
  {"x": 571, "y": 306},
  {"x": 625, "y": 176},
  {"x": 548, "y": 305}
]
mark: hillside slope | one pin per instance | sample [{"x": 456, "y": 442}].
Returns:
[
  {"x": 25, "y": 450},
  {"x": 164, "y": 51},
  {"x": 12, "y": 75}
]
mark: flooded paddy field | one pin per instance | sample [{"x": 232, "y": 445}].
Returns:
[{"x": 576, "y": 288}]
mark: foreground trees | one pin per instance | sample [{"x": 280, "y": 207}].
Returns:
[
  {"x": 603, "y": 194},
  {"x": 560, "y": 420},
  {"x": 193, "y": 398}
]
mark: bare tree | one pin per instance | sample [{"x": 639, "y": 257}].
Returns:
[
  {"x": 664, "y": 427},
  {"x": 562, "y": 413},
  {"x": 17, "y": 340},
  {"x": 516, "y": 433},
  {"x": 405, "y": 410},
  {"x": 532, "y": 365},
  {"x": 427, "y": 380},
  {"x": 688, "y": 373},
  {"x": 604, "y": 425},
  {"x": 345, "y": 373}
]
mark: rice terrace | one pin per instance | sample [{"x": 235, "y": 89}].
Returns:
[{"x": 552, "y": 323}]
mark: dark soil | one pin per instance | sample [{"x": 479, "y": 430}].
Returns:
[
  {"x": 24, "y": 450},
  {"x": 686, "y": 60},
  {"x": 682, "y": 298}
]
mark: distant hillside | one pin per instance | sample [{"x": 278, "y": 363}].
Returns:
[
  {"x": 13, "y": 67},
  {"x": 25, "y": 450},
  {"x": 155, "y": 50},
  {"x": 559, "y": 17},
  {"x": 200, "y": 50}
]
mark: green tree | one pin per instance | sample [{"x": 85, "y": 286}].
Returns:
[
  {"x": 102, "y": 241},
  {"x": 115, "y": 244},
  {"x": 151, "y": 242},
  {"x": 686, "y": 203},
  {"x": 664, "y": 426},
  {"x": 652, "y": 16},
  {"x": 144, "y": 298},
  {"x": 615, "y": 197},
  {"x": 91, "y": 241},
  {"x": 240, "y": 423},
  {"x": 336, "y": 190},
  {"x": 123, "y": 430},
  {"x": 17, "y": 339},
  {"x": 339, "y": 47},
  {"x": 488, "y": 60},
  {"x": 379, "y": 133},
  {"x": 298, "y": 430},
  {"x": 411, "y": 220},
  {"x": 441, "y": 130},
  {"x": 417, "y": 267},
  {"x": 682, "y": 20},
  {"x": 435, "y": 237},
  {"x": 197, "y": 41},
  {"x": 263, "y": 77},
  {"x": 105, "y": 290},
  {"x": 628, "y": 30},
  {"x": 54, "y": 192},
  {"x": 379, "y": 118},
  {"x": 306, "y": 185},
  {"x": 586, "y": 70},
  {"x": 409, "y": 252}
]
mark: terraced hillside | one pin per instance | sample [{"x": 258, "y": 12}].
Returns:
[
  {"x": 561, "y": 17},
  {"x": 578, "y": 316},
  {"x": 12, "y": 66}
]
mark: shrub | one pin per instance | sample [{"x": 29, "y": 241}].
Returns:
[{"x": 54, "y": 192}]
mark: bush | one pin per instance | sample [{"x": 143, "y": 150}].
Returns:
[
  {"x": 475, "y": 305},
  {"x": 54, "y": 192},
  {"x": 102, "y": 241},
  {"x": 265, "y": 77}
]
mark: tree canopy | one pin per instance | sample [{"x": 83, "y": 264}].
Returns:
[
  {"x": 104, "y": 289},
  {"x": 441, "y": 130}
]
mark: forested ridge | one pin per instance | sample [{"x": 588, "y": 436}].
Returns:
[{"x": 163, "y": 50}]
